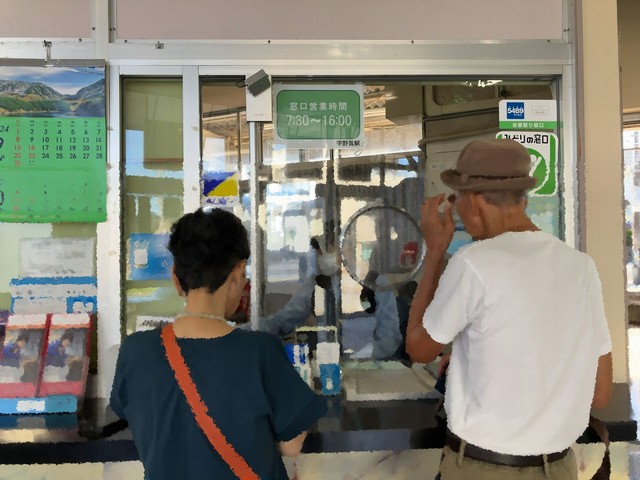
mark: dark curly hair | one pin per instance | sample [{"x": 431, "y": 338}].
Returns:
[
  {"x": 206, "y": 247},
  {"x": 23, "y": 337},
  {"x": 67, "y": 335}
]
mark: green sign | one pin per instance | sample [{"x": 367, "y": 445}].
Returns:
[
  {"x": 543, "y": 149},
  {"x": 513, "y": 125},
  {"x": 326, "y": 116}
]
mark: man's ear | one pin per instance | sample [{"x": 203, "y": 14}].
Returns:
[
  {"x": 176, "y": 282},
  {"x": 238, "y": 272},
  {"x": 476, "y": 202}
]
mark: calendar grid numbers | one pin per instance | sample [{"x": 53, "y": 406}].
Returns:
[{"x": 52, "y": 169}]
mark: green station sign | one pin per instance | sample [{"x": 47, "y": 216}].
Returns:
[
  {"x": 543, "y": 150},
  {"x": 319, "y": 116}
]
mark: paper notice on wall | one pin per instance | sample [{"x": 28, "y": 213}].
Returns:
[
  {"x": 220, "y": 189},
  {"x": 53, "y": 295},
  {"x": 57, "y": 257},
  {"x": 149, "y": 257}
]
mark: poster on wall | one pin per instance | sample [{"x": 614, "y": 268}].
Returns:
[
  {"x": 66, "y": 358},
  {"x": 52, "y": 144},
  {"x": 149, "y": 257},
  {"x": 31, "y": 295},
  {"x": 57, "y": 257},
  {"x": 220, "y": 189}
]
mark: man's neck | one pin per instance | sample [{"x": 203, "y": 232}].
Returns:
[
  {"x": 499, "y": 221},
  {"x": 204, "y": 315}
]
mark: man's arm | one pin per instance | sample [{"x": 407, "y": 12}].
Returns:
[
  {"x": 604, "y": 382},
  {"x": 438, "y": 231},
  {"x": 294, "y": 313},
  {"x": 420, "y": 346},
  {"x": 293, "y": 447}
]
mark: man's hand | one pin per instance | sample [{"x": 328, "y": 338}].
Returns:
[{"x": 437, "y": 228}]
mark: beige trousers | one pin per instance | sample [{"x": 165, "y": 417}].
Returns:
[{"x": 456, "y": 467}]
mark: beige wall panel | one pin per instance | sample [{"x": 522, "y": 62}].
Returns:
[
  {"x": 628, "y": 18},
  {"x": 340, "y": 20},
  {"x": 46, "y": 19}
]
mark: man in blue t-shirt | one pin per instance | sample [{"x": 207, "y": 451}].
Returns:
[
  {"x": 57, "y": 350},
  {"x": 12, "y": 352}
]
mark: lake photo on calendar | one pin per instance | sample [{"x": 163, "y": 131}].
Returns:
[{"x": 52, "y": 91}]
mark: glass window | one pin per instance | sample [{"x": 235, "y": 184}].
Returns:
[
  {"x": 413, "y": 131},
  {"x": 226, "y": 169},
  {"x": 631, "y": 149},
  {"x": 152, "y": 192}
]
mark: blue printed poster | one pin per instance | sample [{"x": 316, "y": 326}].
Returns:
[
  {"x": 149, "y": 257},
  {"x": 220, "y": 188}
]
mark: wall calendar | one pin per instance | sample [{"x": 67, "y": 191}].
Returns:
[{"x": 52, "y": 144}]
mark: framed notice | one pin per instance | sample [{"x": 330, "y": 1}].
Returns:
[
  {"x": 52, "y": 144},
  {"x": 319, "y": 116}
]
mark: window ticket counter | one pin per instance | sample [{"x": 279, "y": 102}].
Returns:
[
  {"x": 330, "y": 192},
  {"x": 96, "y": 435}
]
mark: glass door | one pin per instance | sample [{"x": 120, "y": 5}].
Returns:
[
  {"x": 310, "y": 198},
  {"x": 152, "y": 192}
]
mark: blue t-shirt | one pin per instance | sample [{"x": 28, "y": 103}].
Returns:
[
  {"x": 11, "y": 355},
  {"x": 252, "y": 392},
  {"x": 11, "y": 352}
]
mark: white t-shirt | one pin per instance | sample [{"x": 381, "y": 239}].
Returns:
[{"x": 525, "y": 314}]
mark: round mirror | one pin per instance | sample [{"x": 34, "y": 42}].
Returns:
[{"x": 382, "y": 247}]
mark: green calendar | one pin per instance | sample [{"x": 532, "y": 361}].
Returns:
[{"x": 52, "y": 149}]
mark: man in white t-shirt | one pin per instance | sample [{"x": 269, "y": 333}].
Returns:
[{"x": 531, "y": 348}]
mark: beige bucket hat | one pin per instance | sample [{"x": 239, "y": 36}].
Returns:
[{"x": 485, "y": 165}]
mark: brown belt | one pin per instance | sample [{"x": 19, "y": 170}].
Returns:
[{"x": 477, "y": 453}]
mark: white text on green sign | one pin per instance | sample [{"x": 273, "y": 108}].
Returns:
[{"x": 327, "y": 116}]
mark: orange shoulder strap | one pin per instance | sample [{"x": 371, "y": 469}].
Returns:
[{"x": 237, "y": 464}]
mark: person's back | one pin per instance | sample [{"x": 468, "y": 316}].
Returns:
[
  {"x": 530, "y": 345},
  {"x": 248, "y": 386},
  {"x": 242, "y": 381},
  {"x": 531, "y": 348}
]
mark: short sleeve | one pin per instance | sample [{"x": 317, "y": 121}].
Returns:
[
  {"x": 454, "y": 304},
  {"x": 119, "y": 388},
  {"x": 294, "y": 406},
  {"x": 597, "y": 314}
]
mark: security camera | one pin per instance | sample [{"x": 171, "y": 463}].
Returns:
[{"x": 258, "y": 83}]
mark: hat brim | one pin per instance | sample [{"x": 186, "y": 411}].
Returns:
[{"x": 454, "y": 180}]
